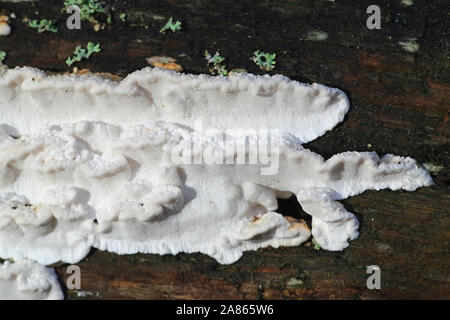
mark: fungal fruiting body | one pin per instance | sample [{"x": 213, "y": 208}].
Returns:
[
  {"x": 5, "y": 29},
  {"x": 166, "y": 163},
  {"x": 28, "y": 280}
]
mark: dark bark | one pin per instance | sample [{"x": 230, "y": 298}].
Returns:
[{"x": 400, "y": 105}]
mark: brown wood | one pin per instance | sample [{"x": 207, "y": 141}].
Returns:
[{"x": 400, "y": 105}]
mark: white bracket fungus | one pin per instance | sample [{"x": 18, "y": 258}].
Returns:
[
  {"x": 28, "y": 280},
  {"x": 123, "y": 166}
]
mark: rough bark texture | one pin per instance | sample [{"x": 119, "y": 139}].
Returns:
[{"x": 399, "y": 104}]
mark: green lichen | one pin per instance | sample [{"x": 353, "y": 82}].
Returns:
[
  {"x": 264, "y": 60},
  {"x": 433, "y": 168},
  {"x": 407, "y": 3},
  {"x": 170, "y": 25},
  {"x": 87, "y": 7},
  {"x": 316, "y": 245},
  {"x": 81, "y": 53},
  {"x": 2, "y": 56},
  {"x": 409, "y": 45},
  {"x": 215, "y": 63},
  {"x": 43, "y": 25},
  {"x": 123, "y": 17}
]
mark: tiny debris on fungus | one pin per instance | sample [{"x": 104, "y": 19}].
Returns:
[
  {"x": 265, "y": 61},
  {"x": 164, "y": 63}
]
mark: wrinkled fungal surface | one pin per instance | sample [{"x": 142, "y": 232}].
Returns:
[
  {"x": 167, "y": 163},
  {"x": 28, "y": 280}
]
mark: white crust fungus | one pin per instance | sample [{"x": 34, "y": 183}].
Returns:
[
  {"x": 87, "y": 162},
  {"x": 28, "y": 280}
]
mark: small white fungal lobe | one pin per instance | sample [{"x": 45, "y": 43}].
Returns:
[
  {"x": 86, "y": 162},
  {"x": 5, "y": 28},
  {"x": 28, "y": 280}
]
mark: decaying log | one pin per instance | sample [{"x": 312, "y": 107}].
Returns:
[{"x": 399, "y": 104}]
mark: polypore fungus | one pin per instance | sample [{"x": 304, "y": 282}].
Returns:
[
  {"x": 166, "y": 163},
  {"x": 28, "y": 280}
]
